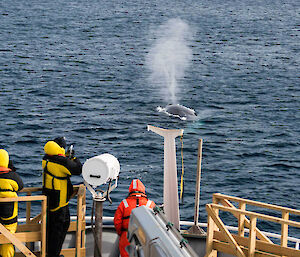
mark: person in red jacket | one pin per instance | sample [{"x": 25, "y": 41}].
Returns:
[{"x": 136, "y": 198}]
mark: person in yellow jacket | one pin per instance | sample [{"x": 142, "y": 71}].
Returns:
[
  {"x": 57, "y": 186},
  {"x": 10, "y": 184}
]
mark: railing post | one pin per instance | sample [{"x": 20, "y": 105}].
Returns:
[
  {"x": 43, "y": 227},
  {"x": 28, "y": 214},
  {"x": 216, "y": 201},
  {"x": 252, "y": 236},
  {"x": 241, "y": 219},
  {"x": 215, "y": 198},
  {"x": 84, "y": 212},
  {"x": 210, "y": 252},
  {"x": 80, "y": 217},
  {"x": 284, "y": 229}
]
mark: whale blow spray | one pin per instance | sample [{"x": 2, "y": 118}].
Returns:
[{"x": 169, "y": 57}]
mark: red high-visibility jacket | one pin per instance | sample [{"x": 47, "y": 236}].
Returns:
[{"x": 136, "y": 198}]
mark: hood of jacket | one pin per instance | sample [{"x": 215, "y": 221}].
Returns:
[
  {"x": 4, "y": 158},
  {"x": 137, "y": 185},
  {"x": 52, "y": 148}
]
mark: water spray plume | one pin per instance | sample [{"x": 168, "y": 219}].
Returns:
[{"x": 169, "y": 57}]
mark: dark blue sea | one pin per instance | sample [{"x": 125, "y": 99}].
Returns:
[{"x": 82, "y": 69}]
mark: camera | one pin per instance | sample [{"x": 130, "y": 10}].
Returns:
[{"x": 70, "y": 152}]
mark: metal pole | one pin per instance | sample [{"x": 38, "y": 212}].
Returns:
[
  {"x": 195, "y": 229},
  {"x": 98, "y": 226},
  {"x": 197, "y": 193}
]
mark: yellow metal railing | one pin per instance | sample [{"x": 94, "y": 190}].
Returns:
[{"x": 256, "y": 243}]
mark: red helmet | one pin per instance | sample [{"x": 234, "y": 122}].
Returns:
[{"x": 137, "y": 185}]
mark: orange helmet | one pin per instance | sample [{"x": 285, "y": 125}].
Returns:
[{"x": 136, "y": 185}]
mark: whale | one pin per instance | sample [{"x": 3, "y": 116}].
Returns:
[{"x": 181, "y": 111}]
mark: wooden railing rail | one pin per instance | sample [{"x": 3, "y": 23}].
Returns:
[
  {"x": 219, "y": 197},
  {"x": 256, "y": 243},
  {"x": 256, "y": 215},
  {"x": 37, "y": 234},
  {"x": 31, "y": 230}
]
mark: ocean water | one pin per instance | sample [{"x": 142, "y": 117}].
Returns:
[{"x": 82, "y": 69}]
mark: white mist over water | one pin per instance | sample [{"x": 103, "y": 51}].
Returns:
[{"x": 169, "y": 57}]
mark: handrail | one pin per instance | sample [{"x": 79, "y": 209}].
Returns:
[
  {"x": 256, "y": 215},
  {"x": 291, "y": 239},
  {"x": 23, "y": 199},
  {"x": 256, "y": 242},
  {"x": 32, "y": 225},
  {"x": 17, "y": 238},
  {"x": 218, "y": 196}
]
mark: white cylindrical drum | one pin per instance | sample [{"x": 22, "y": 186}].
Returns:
[{"x": 99, "y": 169}]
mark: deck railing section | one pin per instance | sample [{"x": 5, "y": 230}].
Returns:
[
  {"x": 34, "y": 229},
  {"x": 254, "y": 242},
  {"x": 28, "y": 232}
]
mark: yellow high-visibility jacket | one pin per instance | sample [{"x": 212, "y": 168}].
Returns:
[
  {"x": 57, "y": 170},
  {"x": 10, "y": 184}
]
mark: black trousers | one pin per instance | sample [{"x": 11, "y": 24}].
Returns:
[{"x": 58, "y": 223}]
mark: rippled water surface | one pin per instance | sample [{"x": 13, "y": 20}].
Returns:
[{"x": 78, "y": 69}]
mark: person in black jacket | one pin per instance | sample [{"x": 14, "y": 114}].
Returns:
[
  {"x": 57, "y": 186},
  {"x": 10, "y": 184}
]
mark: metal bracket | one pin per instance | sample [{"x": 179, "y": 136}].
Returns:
[{"x": 99, "y": 196}]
